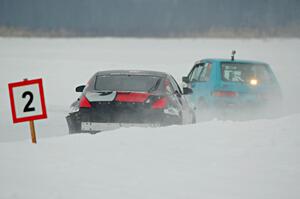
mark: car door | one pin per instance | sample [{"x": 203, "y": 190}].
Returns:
[{"x": 200, "y": 81}]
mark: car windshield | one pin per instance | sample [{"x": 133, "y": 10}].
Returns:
[
  {"x": 137, "y": 83},
  {"x": 245, "y": 72}
]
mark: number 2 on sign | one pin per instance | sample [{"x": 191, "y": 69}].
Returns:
[{"x": 27, "y": 107}]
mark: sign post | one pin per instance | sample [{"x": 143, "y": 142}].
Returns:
[
  {"x": 32, "y": 131},
  {"x": 27, "y": 103}
]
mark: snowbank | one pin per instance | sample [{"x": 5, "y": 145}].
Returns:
[{"x": 215, "y": 159}]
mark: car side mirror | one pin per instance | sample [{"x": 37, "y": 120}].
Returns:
[
  {"x": 80, "y": 89},
  {"x": 185, "y": 79},
  {"x": 187, "y": 91}
]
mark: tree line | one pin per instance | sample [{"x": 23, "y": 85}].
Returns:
[{"x": 153, "y": 18}]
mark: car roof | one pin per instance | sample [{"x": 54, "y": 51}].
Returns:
[
  {"x": 218, "y": 60},
  {"x": 133, "y": 72}
]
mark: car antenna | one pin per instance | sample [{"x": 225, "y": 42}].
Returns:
[{"x": 232, "y": 55}]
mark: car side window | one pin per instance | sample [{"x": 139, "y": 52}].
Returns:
[
  {"x": 201, "y": 72},
  {"x": 194, "y": 74},
  {"x": 205, "y": 72}
]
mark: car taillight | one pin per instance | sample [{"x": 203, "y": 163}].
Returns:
[
  {"x": 160, "y": 103},
  {"x": 224, "y": 94},
  {"x": 84, "y": 103}
]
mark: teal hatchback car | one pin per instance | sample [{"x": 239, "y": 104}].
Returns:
[{"x": 224, "y": 86}]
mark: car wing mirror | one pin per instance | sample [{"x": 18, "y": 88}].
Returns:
[
  {"x": 185, "y": 79},
  {"x": 80, "y": 89},
  {"x": 187, "y": 91}
]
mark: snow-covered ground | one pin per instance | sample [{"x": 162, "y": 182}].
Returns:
[{"x": 214, "y": 159}]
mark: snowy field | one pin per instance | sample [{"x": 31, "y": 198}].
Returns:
[{"x": 214, "y": 159}]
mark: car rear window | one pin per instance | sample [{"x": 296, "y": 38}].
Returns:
[
  {"x": 138, "y": 83},
  {"x": 244, "y": 72}
]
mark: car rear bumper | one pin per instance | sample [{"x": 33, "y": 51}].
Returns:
[
  {"x": 247, "y": 99},
  {"x": 97, "y": 127},
  {"x": 240, "y": 109},
  {"x": 80, "y": 123}
]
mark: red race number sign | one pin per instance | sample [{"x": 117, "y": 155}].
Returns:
[{"x": 27, "y": 100}]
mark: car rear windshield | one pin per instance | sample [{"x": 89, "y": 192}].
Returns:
[
  {"x": 137, "y": 83},
  {"x": 244, "y": 72}
]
